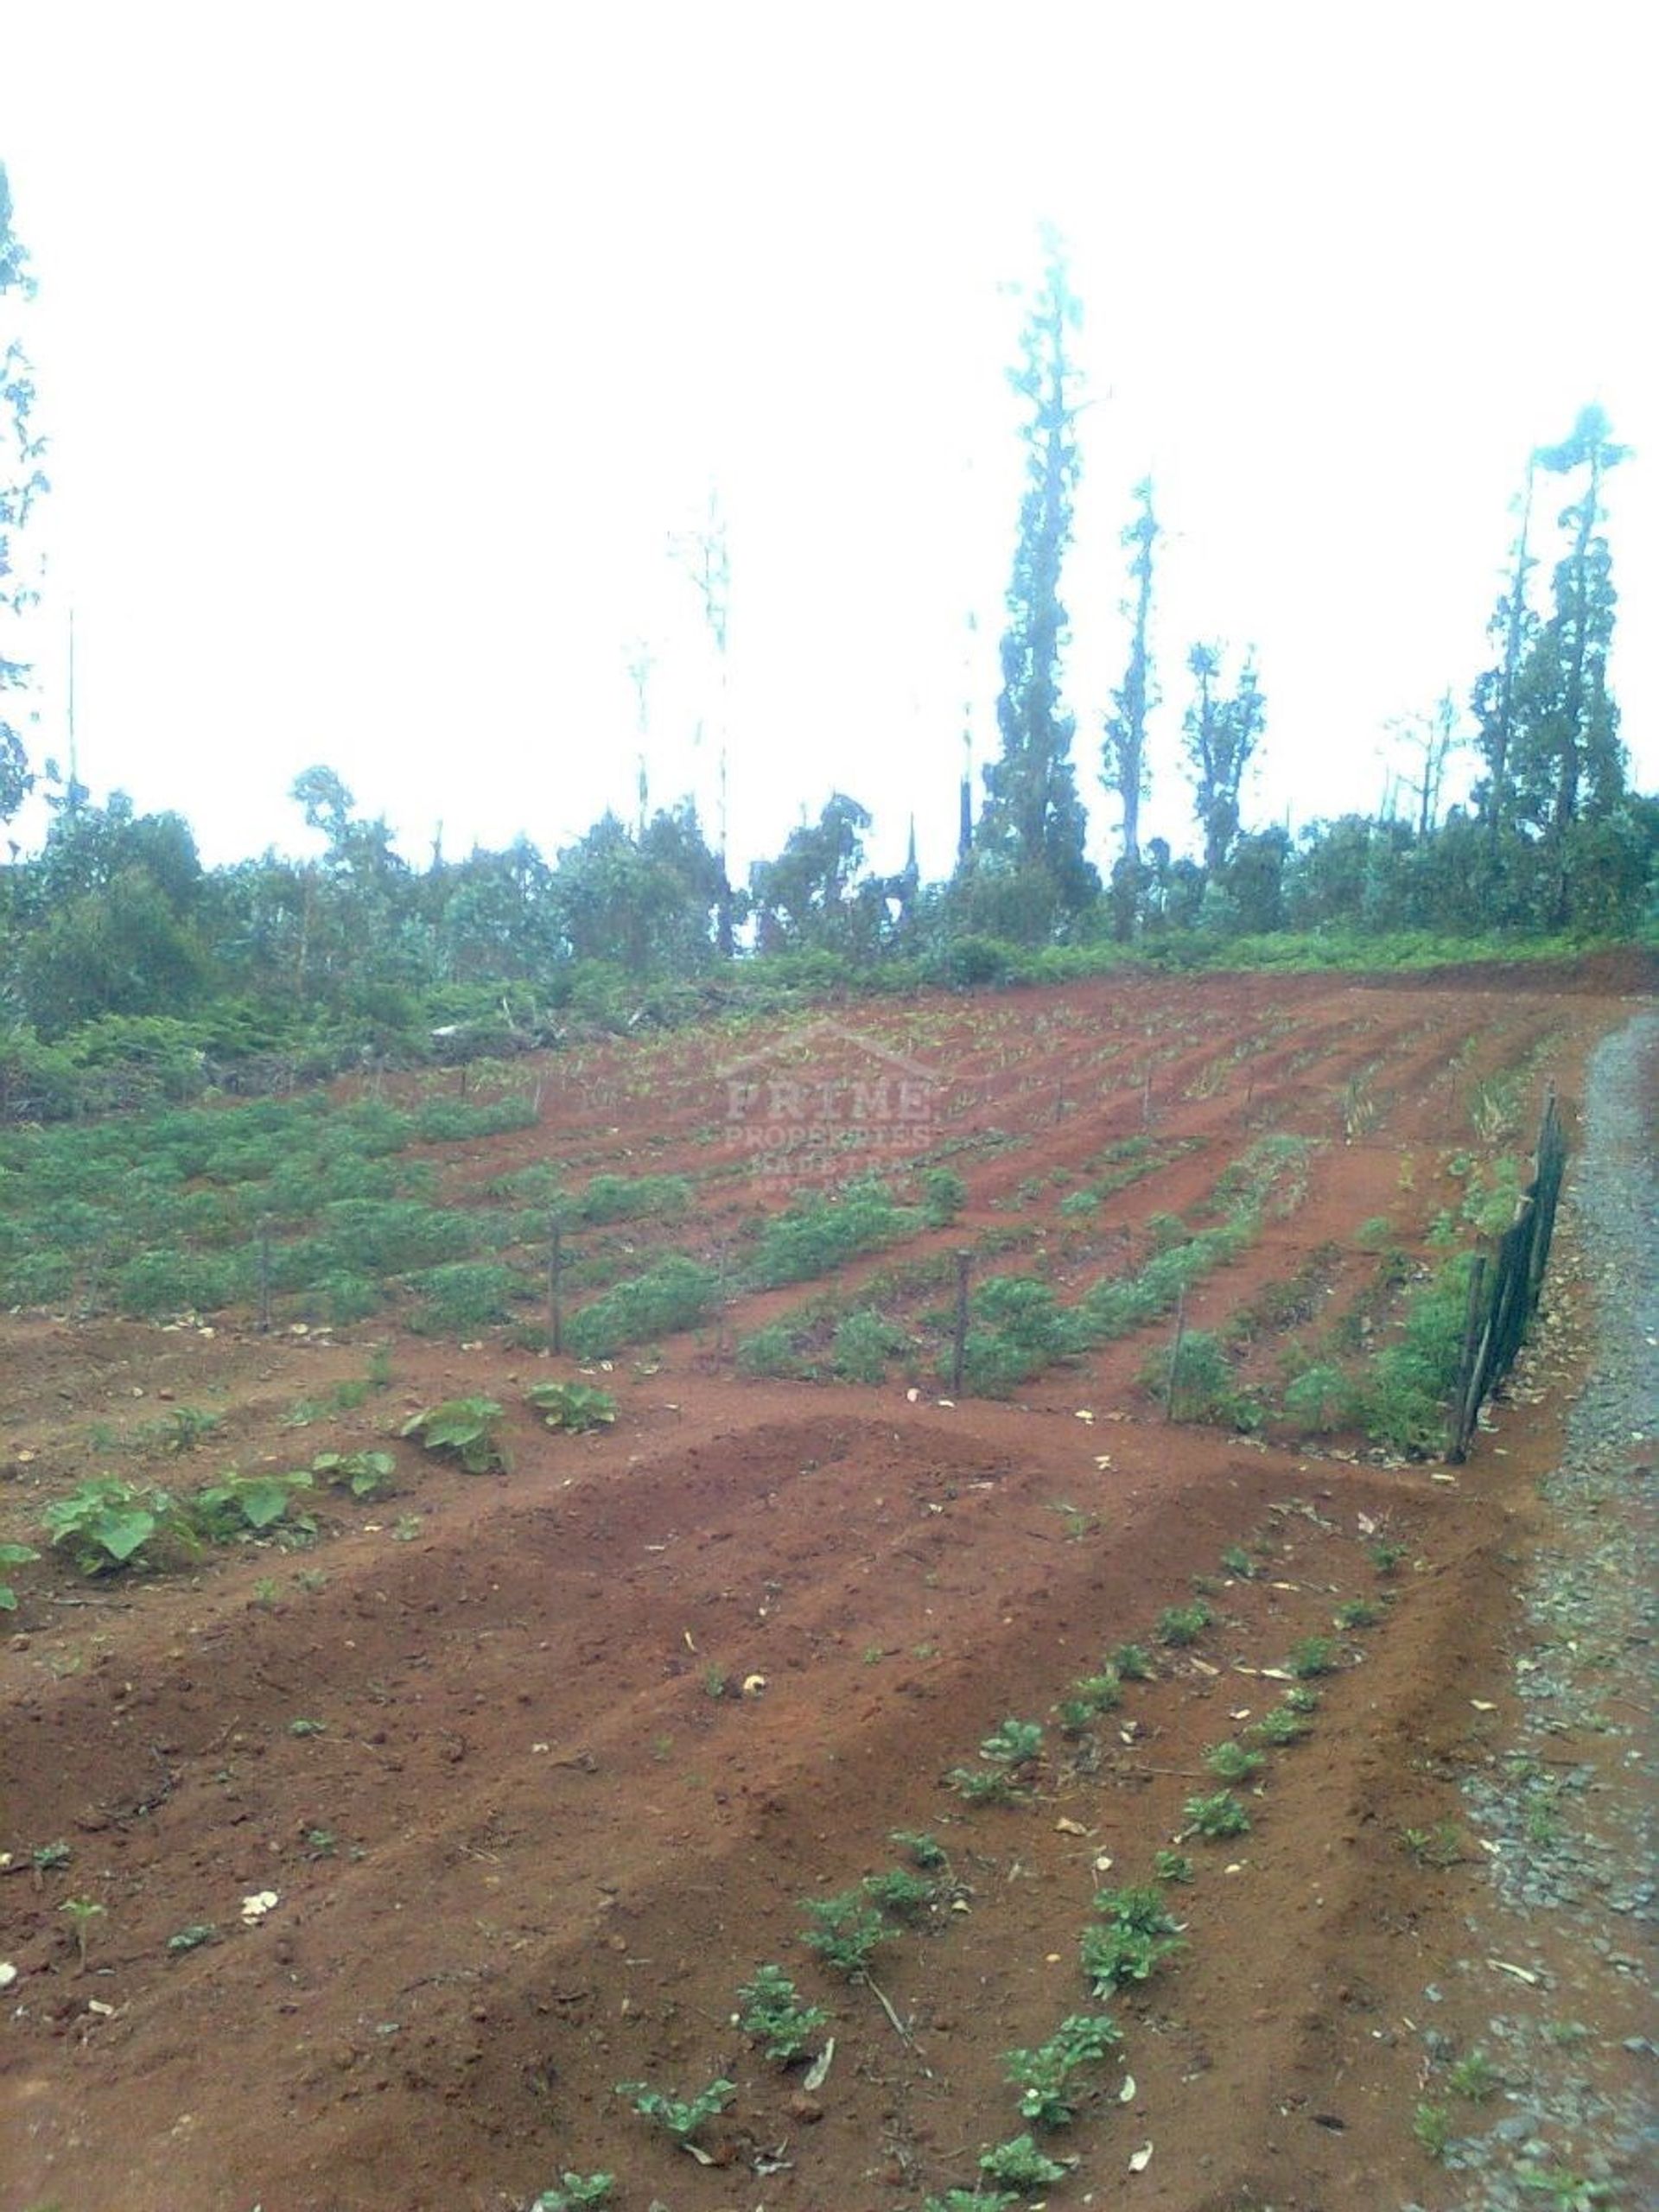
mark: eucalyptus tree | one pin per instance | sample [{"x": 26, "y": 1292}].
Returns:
[
  {"x": 21, "y": 481},
  {"x": 1221, "y": 731},
  {"x": 1125, "y": 771},
  {"x": 1033, "y": 819}
]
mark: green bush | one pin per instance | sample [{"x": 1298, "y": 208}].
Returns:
[
  {"x": 166, "y": 1281},
  {"x": 818, "y": 1234},
  {"x": 944, "y": 1195},
  {"x": 464, "y": 1296},
  {"x": 864, "y": 1343},
  {"x": 675, "y": 1294}
]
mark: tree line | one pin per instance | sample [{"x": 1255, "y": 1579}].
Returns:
[{"x": 116, "y": 918}]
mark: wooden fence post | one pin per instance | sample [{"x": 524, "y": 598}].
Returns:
[
  {"x": 555, "y": 1292},
  {"x": 1175, "y": 1352},
  {"x": 959, "y": 1337}
]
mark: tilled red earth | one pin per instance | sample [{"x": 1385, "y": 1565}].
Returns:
[{"x": 522, "y": 1850}]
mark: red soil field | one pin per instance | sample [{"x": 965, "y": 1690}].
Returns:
[{"x": 527, "y": 1852}]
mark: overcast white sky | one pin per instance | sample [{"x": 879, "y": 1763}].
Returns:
[{"x": 382, "y": 347}]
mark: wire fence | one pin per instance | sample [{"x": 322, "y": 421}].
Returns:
[{"x": 1503, "y": 1288}]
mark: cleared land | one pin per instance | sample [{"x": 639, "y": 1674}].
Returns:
[{"x": 487, "y": 1739}]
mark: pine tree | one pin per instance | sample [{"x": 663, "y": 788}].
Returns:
[{"x": 1033, "y": 817}]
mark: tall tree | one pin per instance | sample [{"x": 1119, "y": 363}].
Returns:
[
  {"x": 705, "y": 554},
  {"x": 1221, "y": 731},
  {"x": 21, "y": 481},
  {"x": 1569, "y": 762},
  {"x": 1033, "y": 817},
  {"x": 1125, "y": 750},
  {"x": 1513, "y": 624}
]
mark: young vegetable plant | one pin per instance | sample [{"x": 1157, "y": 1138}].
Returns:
[
  {"x": 238, "y": 1505},
  {"x": 1216, "y": 1817},
  {"x": 573, "y": 1406},
  {"x": 1314, "y": 1655},
  {"x": 13, "y": 1555},
  {"x": 680, "y": 2117},
  {"x": 1137, "y": 1936},
  {"x": 774, "y": 2015},
  {"x": 575, "y": 2190},
  {"x": 107, "y": 1524},
  {"x": 846, "y": 1933},
  {"x": 465, "y": 1427},
  {"x": 82, "y": 1912},
  {"x": 1021, "y": 2164},
  {"x": 901, "y": 1895},
  {"x": 1183, "y": 1624},
  {"x": 921, "y": 1849},
  {"x": 1230, "y": 1762},
  {"x": 1043, "y": 2075},
  {"x": 365, "y": 1474}
]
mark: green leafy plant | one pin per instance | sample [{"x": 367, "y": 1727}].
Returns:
[
  {"x": 462, "y": 1428},
  {"x": 1014, "y": 1742},
  {"x": 1441, "y": 1845},
  {"x": 1133, "y": 1662},
  {"x": 1230, "y": 1762},
  {"x": 1301, "y": 1698},
  {"x": 82, "y": 1912},
  {"x": 1216, "y": 1817},
  {"x": 573, "y": 1406},
  {"x": 921, "y": 1850},
  {"x": 1567, "y": 2191},
  {"x": 1021, "y": 2165},
  {"x": 1431, "y": 2126},
  {"x": 1358, "y": 1612},
  {"x": 1136, "y": 1934},
  {"x": 973, "y": 2200},
  {"x": 239, "y": 1506},
  {"x": 1385, "y": 1556},
  {"x": 1172, "y": 1866},
  {"x": 1313, "y": 1656},
  {"x": 774, "y": 2015},
  {"x": 1472, "y": 2077},
  {"x": 1043, "y": 2075},
  {"x": 1280, "y": 1727},
  {"x": 678, "y": 2117},
  {"x": 107, "y": 1524},
  {"x": 846, "y": 1932},
  {"x": 365, "y": 1474},
  {"x": 901, "y": 1895},
  {"x": 193, "y": 1937},
  {"x": 675, "y": 1294},
  {"x": 944, "y": 1195},
  {"x": 1183, "y": 1624},
  {"x": 574, "y": 2191},
  {"x": 1237, "y": 1560},
  {"x": 13, "y": 1555}
]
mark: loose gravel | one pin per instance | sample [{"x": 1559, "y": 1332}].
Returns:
[{"x": 1572, "y": 1898}]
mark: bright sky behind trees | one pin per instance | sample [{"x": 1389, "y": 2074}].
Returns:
[{"x": 383, "y": 348}]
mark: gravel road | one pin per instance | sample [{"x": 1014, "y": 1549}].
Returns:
[{"x": 1566, "y": 1814}]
